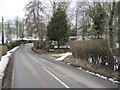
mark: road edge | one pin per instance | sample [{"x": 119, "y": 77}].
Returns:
[{"x": 6, "y": 80}]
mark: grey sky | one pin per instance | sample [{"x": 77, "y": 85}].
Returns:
[
  {"x": 9, "y": 9},
  {"x": 12, "y": 8}
]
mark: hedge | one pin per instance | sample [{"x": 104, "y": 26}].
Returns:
[
  {"x": 15, "y": 43},
  {"x": 97, "y": 50}
]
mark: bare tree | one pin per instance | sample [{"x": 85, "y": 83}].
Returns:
[
  {"x": 8, "y": 30},
  {"x": 16, "y": 22},
  {"x": 82, "y": 20},
  {"x": 34, "y": 19},
  {"x": 54, "y": 4},
  {"x": 110, "y": 25}
]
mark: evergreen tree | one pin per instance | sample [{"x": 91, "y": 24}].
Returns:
[
  {"x": 58, "y": 28},
  {"x": 98, "y": 14}
]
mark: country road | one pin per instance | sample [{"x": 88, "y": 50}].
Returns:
[{"x": 32, "y": 70}]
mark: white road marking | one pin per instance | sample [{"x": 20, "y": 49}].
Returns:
[{"x": 56, "y": 78}]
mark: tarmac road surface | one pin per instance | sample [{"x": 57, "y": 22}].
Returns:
[{"x": 33, "y": 70}]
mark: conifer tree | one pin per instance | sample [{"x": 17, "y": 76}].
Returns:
[{"x": 58, "y": 28}]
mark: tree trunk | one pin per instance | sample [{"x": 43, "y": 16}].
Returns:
[
  {"x": 111, "y": 36},
  {"x": 110, "y": 26},
  {"x": 76, "y": 23},
  {"x": 58, "y": 44},
  {"x": 119, "y": 37},
  {"x": 119, "y": 27},
  {"x": 2, "y": 32}
]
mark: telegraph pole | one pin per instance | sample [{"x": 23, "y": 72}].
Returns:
[{"x": 2, "y": 32}]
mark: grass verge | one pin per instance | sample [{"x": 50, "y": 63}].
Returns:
[
  {"x": 97, "y": 69},
  {"x": 8, "y": 73}
]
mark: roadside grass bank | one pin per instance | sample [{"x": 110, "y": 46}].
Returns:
[
  {"x": 8, "y": 73},
  {"x": 96, "y": 56},
  {"x": 5, "y": 70},
  {"x": 11, "y": 45},
  {"x": 6, "y": 61},
  {"x": 99, "y": 70},
  {"x": 93, "y": 56}
]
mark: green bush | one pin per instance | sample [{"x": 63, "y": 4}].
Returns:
[
  {"x": 97, "y": 49},
  {"x": 15, "y": 43}
]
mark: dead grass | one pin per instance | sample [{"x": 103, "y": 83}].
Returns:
[{"x": 98, "y": 69}]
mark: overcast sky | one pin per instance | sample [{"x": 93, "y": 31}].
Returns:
[
  {"x": 9, "y": 9},
  {"x": 12, "y": 8}
]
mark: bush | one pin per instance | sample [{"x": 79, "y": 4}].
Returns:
[
  {"x": 97, "y": 50},
  {"x": 3, "y": 50},
  {"x": 41, "y": 44},
  {"x": 15, "y": 43}
]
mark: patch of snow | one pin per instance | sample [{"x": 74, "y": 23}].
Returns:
[
  {"x": 80, "y": 68},
  {"x": 114, "y": 57},
  {"x": 65, "y": 46},
  {"x": 115, "y": 67},
  {"x": 114, "y": 80},
  {"x": 62, "y": 56},
  {"x": 4, "y": 61},
  {"x": 90, "y": 60},
  {"x": 117, "y": 45},
  {"x": 87, "y": 71},
  {"x": 118, "y": 60},
  {"x": 99, "y": 75},
  {"x": 106, "y": 63},
  {"x": 55, "y": 46},
  {"x": 3, "y": 64},
  {"x": 13, "y": 50},
  {"x": 31, "y": 44},
  {"x": 103, "y": 77},
  {"x": 31, "y": 38},
  {"x": 68, "y": 63},
  {"x": 100, "y": 60},
  {"x": 91, "y": 72}
]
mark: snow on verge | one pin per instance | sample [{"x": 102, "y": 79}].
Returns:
[
  {"x": 99, "y": 75},
  {"x": 62, "y": 56},
  {"x": 4, "y": 61}
]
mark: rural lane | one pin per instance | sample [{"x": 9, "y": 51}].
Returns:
[{"x": 33, "y": 70}]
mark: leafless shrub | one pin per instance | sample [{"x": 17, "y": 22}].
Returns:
[{"x": 97, "y": 50}]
